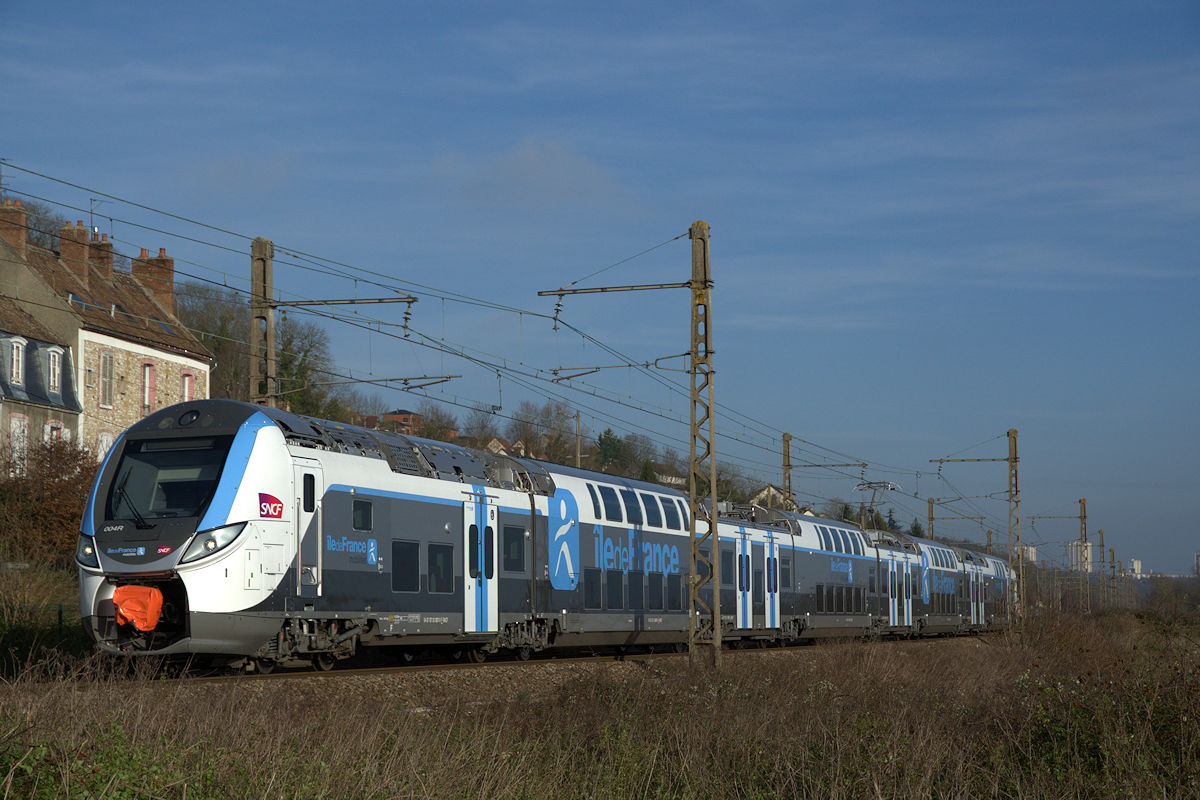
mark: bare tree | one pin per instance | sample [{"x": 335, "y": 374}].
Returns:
[
  {"x": 480, "y": 427},
  {"x": 436, "y": 422}
]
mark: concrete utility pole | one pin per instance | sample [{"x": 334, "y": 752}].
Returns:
[
  {"x": 264, "y": 386},
  {"x": 704, "y": 620},
  {"x": 787, "y": 467},
  {"x": 1014, "y": 515},
  {"x": 930, "y": 531},
  {"x": 578, "y": 443},
  {"x": 1100, "y": 568},
  {"x": 1085, "y": 584}
]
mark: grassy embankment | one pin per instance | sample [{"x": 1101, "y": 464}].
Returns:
[{"x": 1107, "y": 706}]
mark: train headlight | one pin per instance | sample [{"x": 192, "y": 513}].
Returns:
[
  {"x": 209, "y": 542},
  {"x": 85, "y": 552}
]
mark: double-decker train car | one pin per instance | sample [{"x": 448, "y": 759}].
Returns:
[{"x": 256, "y": 536}]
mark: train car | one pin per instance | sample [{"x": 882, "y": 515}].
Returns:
[{"x": 257, "y": 537}]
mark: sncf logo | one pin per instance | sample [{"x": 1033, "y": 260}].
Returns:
[{"x": 269, "y": 506}]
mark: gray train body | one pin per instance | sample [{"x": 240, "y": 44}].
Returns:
[{"x": 281, "y": 539}]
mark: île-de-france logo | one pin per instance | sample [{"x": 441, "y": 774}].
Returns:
[{"x": 269, "y": 506}]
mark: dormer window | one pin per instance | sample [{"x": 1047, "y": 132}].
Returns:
[
  {"x": 16, "y": 363},
  {"x": 54, "y": 381}
]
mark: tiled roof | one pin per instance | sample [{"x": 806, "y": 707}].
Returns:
[
  {"x": 14, "y": 320},
  {"x": 119, "y": 306}
]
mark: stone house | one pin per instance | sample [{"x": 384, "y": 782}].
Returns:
[{"x": 130, "y": 354}]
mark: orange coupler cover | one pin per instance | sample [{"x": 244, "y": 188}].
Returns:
[{"x": 140, "y": 605}]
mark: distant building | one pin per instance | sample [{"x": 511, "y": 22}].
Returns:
[
  {"x": 1135, "y": 567},
  {"x": 1080, "y": 556},
  {"x": 402, "y": 421},
  {"x": 117, "y": 330},
  {"x": 771, "y": 496}
]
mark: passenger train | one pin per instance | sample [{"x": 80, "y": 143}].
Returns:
[{"x": 259, "y": 538}]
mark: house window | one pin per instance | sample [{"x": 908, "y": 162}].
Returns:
[
  {"x": 55, "y": 378},
  {"x": 18, "y": 442},
  {"x": 147, "y": 388},
  {"x": 106, "y": 379},
  {"x": 54, "y": 431},
  {"x": 16, "y": 364},
  {"x": 185, "y": 387}
]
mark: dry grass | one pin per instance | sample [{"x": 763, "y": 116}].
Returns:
[{"x": 1105, "y": 707}]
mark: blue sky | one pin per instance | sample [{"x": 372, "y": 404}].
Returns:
[{"x": 930, "y": 222}]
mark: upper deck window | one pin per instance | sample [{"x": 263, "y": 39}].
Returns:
[
  {"x": 612, "y": 506},
  {"x": 166, "y": 477}
]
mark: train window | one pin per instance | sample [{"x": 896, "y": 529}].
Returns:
[
  {"x": 843, "y": 542},
  {"x": 614, "y": 589},
  {"x": 595, "y": 500},
  {"x": 670, "y": 513},
  {"x": 514, "y": 549},
  {"x": 820, "y": 592},
  {"x": 758, "y": 585},
  {"x": 441, "y": 568},
  {"x": 824, "y": 537},
  {"x": 310, "y": 492},
  {"x": 406, "y": 566},
  {"x": 654, "y": 587},
  {"x": 489, "y": 552},
  {"x": 473, "y": 550},
  {"x": 636, "y": 590},
  {"x": 727, "y": 566},
  {"x": 612, "y": 506},
  {"x": 829, "y": 597},
  {"x": 362, "y": 515},
  {"x": 592, "y": 588},
  {"x": 683, "y": 514},
  {"x": 675, "y": 600},
  {"x": 702, "y": 566},
  {"x": 785, "y": 569},
  {"x": 633, "y": 511},
  {"x": 858, "y": 545},
  {"x": 653, "y": 518},
  {"x": 871, "y": 582}
]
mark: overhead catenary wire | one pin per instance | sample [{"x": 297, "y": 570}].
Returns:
[{"x": 752, "y": 427}]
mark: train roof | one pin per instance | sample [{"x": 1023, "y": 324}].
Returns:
[{"x": 604, "y": 477}]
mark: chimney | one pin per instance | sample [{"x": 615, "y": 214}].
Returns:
[
  {"x": 157, "y": 274},
  {"x": 12, "y": 224},
  {"x": 101, "y": 252},
  {"x": 73, "y": 250}
]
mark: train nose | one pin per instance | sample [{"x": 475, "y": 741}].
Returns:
[{"x": 141, "y": 605}]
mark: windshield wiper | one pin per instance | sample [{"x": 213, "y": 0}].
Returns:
[{"x": 138, "y": 520}]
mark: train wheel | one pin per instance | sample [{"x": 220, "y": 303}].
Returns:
[
  {"x": 323, "y": 662},
  {"x": 264, "y": 666},
  {"x": 477, "y": 656},
  {"x": 524, "y": 653}
]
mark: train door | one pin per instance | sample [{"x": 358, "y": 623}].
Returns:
[
  {"x": 481, "y": 585},
  {"x": 976, "y": 598},
  {"x": 893, "y": 602},
  {"x": 308, "y": 530},
  {"x": 908, "y": 582},
  {"x": 772, "y": 587},
  {"x": 758, "y": 582},
  {"x": 744, "y": 617}
]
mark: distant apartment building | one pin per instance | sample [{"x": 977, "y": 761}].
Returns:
[
  {"x": 1080, "y": 556},
  {"x": 117, "y": 330}
]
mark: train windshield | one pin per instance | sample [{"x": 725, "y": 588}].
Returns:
[{"x": 159, "y": 478}]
